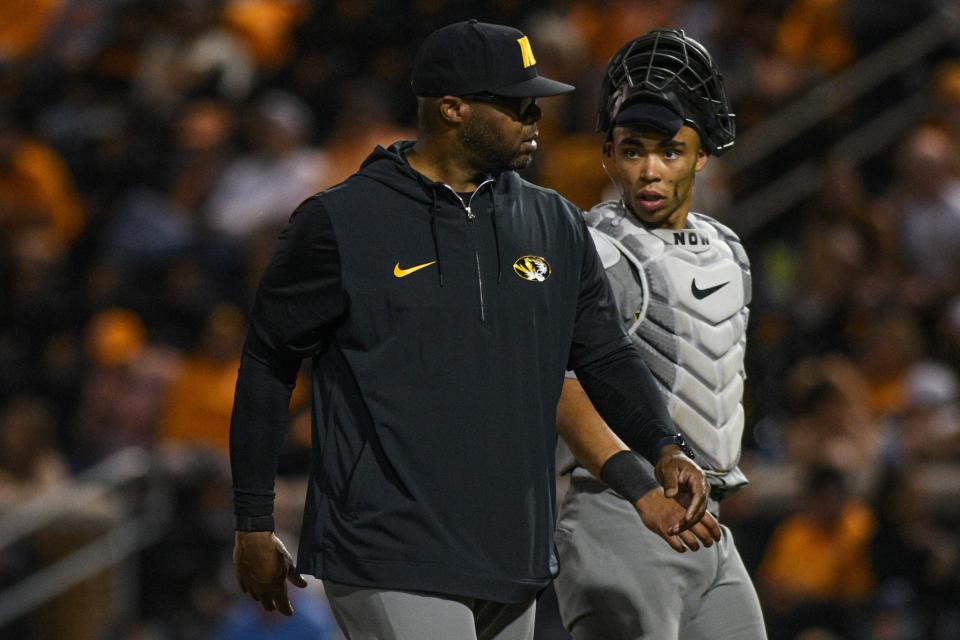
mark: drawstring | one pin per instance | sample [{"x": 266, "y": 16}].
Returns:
[
  {"x": 433, "y": 232},
  {"x": 496, "y": 235}
]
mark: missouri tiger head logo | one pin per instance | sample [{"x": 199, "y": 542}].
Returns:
[{"x": 532, "y": 268}]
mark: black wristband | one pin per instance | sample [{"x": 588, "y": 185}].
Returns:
[
  {"x": 254, "y": 523},
  {"x": 624, "y": 473}
]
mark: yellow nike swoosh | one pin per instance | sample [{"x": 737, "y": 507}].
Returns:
[{"x": 403, "y": 273}]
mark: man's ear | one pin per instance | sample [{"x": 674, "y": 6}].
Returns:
[
  {"x": 702, "y": 158},
  {"x": 453, "y": 109},
  {"x": 607, "y": 154}
]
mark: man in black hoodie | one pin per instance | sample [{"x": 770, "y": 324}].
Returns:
[{"x": 440, "y": 298}]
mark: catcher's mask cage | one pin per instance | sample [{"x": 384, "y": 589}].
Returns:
[{"x": 666, "y": 65}]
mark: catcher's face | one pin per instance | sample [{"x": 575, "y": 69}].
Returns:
[{"x": 655, "y": 172}]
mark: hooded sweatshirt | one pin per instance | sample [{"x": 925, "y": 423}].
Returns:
[{"x": 439, "y": 329}]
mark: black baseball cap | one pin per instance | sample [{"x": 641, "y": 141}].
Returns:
[
  {"x": 475, "y": 57},
  {"x": 650, "y": 114}
]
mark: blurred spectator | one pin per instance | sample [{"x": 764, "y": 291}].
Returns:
[
  {"x": 813, "y": 32},
  {"x": 266, "y": 27},
  {"x": 805, "y": 289},
  {"x": 885, "y": 343},
  {"x": 946, "y": 91},
  {"x": 30, "y": 460},
  {"x": 37, "y": 353},
  {"x": 925, "y": 200},
  {"x": 205, "y": 135},
  {"x": 849, "y": 251},
  {"x": 89, "y": 127},
  {"x": 36, "y": 189},
  {"x": 747, "y": 31},
  {"x": 23, "y": 23},
  {"x": 844, "y": 259},
  {"x": 192, "y": 419},
  {"x": 125, "y": 387},
  {"x": 832, "y": 260},
  {"x": 264, "y": 186},
  {"x": 929, "y": 426},
  {"x": 362, "y": 123},
  {"x": 606, "y": 26},
  {"x": 158, "y": 222},
  {"x": 193, "y": 51},
  {"x": 79, "y": 35},
  {"x": 148, "y": 230},
  {"x": 816, "y": 570},
  {"x": 830, "y": 418},
  {"x": 30, "y": 465},
  {"x": 916, "y": 560}
]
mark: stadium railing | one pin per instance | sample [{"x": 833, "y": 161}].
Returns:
[
  {"x": 128, "y": 521},
  {"x": 757, "y": 145}
]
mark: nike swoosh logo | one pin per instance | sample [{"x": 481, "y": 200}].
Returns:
[
  {"x": 700, "y": 294},
  {"x": 403, "y": 273}
]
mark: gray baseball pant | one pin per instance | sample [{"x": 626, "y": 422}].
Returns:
[
  {"x": 383, "y": 614},
  {"x": 620, "y": 581}
]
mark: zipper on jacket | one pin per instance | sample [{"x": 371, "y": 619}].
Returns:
[
  {"x": 471, "y": 216},
  {"x": 476, "y": 254}
]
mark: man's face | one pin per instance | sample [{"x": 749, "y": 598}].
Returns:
[
  {"x": 655, "y": 172},
  {"x": 500, "y": 135}
]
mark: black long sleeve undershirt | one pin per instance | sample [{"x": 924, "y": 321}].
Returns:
[
  {"x": 262, "y": 399},
  {"x": 615, "y": 377},
  {"x": 298, "y": 303},
  {"x": 626, "y": 396}
]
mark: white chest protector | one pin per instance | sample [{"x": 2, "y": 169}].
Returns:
[{"x": 683, "y": 297}]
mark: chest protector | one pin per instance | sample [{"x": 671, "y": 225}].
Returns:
[{"x": 683, "y": 297}]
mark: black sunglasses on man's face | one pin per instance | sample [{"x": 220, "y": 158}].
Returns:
[{"x": 525, "y": 109}]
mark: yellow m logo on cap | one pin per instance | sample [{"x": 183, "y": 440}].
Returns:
[{"x": 526, "y": 52}]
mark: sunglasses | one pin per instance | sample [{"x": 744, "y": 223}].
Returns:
[{"x": 525, "y": 109}]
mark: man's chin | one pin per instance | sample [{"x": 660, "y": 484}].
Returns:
[
  {"x": 653, "y": 218},
  {"x": 522, "y": 161}
]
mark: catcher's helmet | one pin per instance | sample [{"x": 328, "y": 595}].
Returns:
[{"x": 669, "y": 68}]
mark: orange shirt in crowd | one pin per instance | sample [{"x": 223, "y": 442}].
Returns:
[
  {"x": 810, "y": 561},
  {"x": 813, "y": 31},
  {"x": 199, "y": 404},
  {"x": 23, "y": 24},
  {"x": 36, "y": 186},
  {"x": 266, "y": 27}
]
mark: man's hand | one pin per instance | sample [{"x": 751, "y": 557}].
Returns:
[
  {"x": 263, "y": 567},
  {"x": 659, "y": 512},
  {"x": 684, "y": 481}
]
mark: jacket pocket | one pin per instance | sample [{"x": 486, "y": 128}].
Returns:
[{"x": 351, "y": 487}]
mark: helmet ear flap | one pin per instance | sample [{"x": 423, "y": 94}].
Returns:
[
  {"x": 607, "y": 98},
  {"x": 603, "y": 121}
]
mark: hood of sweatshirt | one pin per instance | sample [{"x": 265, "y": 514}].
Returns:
[{"x": 389, "y": 167}]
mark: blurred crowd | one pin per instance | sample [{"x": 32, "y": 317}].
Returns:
[{"x": 150, "y": 151}]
